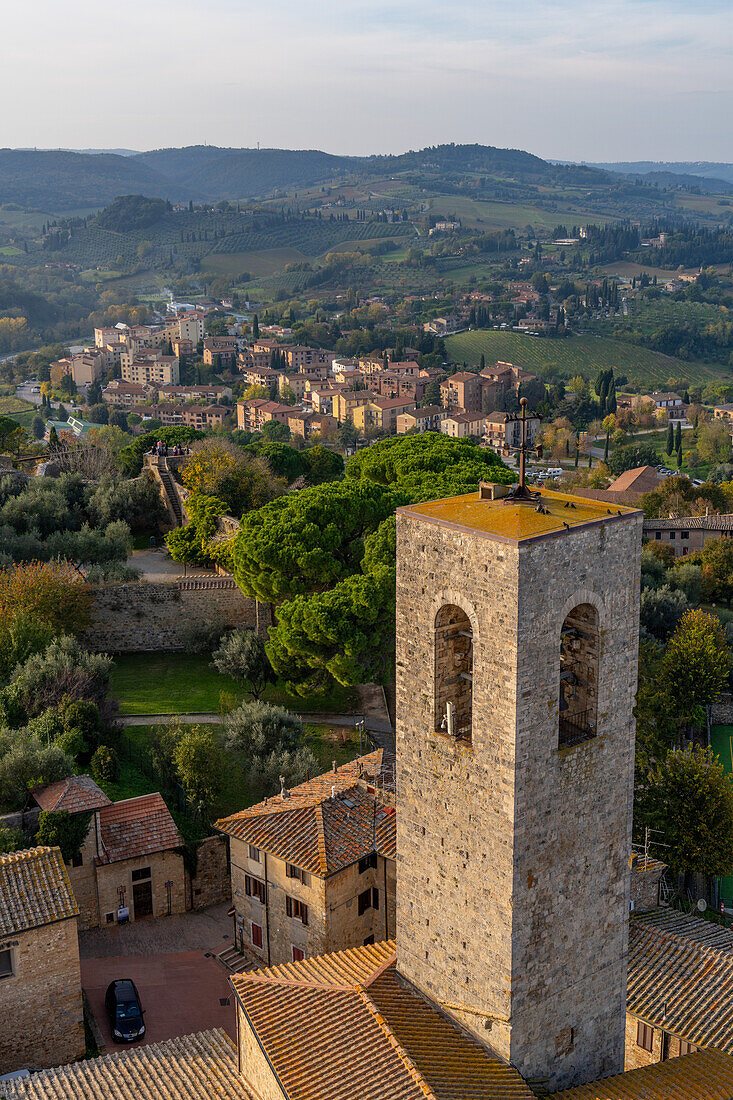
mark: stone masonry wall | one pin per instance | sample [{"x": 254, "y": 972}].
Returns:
[
  {"x": 133, "y": 618},
  {"x": 164, "y": 867},
  {"x": 212, "y": 882},
  {"x": 253, "y": 1065},
  {"x": 513, "y": 883},
  {"x": 41, "y": 1019}
]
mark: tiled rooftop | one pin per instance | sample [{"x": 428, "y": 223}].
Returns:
[
  {"x": 680, "y": 977},
  {"x": 320, "y": 833},
  {"x": 136, "y": 827},
  {"x": 510, "y": 522},
  {"x": 691, "y": 523},
  {"x": 346, "y": 1026},
  {"x": 704, "y": 1075},
  {"x": 77, "y": 794},
  {"x": 34, "y": 890},
  {"x": 193, "y": 1067}
]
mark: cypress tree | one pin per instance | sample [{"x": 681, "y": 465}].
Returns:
[
  {"x": 670, "y": 439},
  {"x": 679, "y": 457},
  {"x": 605, "y": 449},
  {"x": 678, "y": 437}
]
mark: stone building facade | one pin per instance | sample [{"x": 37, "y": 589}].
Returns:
[
  {"x": 313, "y": 870},
  {"x": 41, "y": 1017},
  {"x": 514, "y": 828}
]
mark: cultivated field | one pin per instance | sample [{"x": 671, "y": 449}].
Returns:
[
  {"x": 577, "y": 355},
  {"x": 259, "y": 264}
]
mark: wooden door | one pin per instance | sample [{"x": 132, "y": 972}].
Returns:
[{"x": 142, "y": 899}]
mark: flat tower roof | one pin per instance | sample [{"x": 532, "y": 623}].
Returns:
[{"x": 518, "y": 522}]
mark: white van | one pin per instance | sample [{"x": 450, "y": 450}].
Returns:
[{"x": 555, "y": 471}]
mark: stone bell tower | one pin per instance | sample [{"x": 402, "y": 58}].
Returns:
[{"x": 517, "y": 637}]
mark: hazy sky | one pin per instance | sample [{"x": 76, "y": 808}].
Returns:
[{"x": 576, "y": 79}]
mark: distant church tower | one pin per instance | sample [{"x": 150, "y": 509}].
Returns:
[{"x": 517, "y": 638}]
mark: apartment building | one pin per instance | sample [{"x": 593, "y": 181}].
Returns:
[
  {"x": 87, "y": 367},
  {"x": 164, "y": 369},
  {"x": 427, "y": 419},
  {"x": 253, "y": 414},
  {"x": 221, "y": 349},
  {"x": 462, "y": 425},
  {"x": 345, "y": 403},
  {"x": 380, "y": 414},
  {"x": 462, "y": 392},
  {"x": 201, "y": 392},
  {"x": 123, "y": 395},
  {"x": 503, "y": 431}
]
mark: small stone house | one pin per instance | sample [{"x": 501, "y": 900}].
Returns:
[
  {"x": 313, "y": 868},
  {"x": 41, "y": 1017},
  {"x": 130, "y": 865}
]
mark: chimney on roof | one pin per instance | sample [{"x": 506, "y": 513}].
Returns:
[
  {"x": 283, "y": 792},
  {"x": 333, "y": 792},
  {"x": 334, "y": 765}
]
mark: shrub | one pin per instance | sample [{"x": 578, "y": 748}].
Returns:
[
  {"x": 242, "y": 656},
  {"x": 294, "y": 765},
  {"x": 105, "y": 765},
  {"x": 65, "y": 668},
  {"x": 72, "y": 742},
  {"x": 68, "y": 831},
  {"x": 11, "y": 840},
  {"x": 257, "y": 729},
  {"x": 200, "y": 767},
  {"x": 202, "y": 636},
  {"x": 26, "y": 763}
]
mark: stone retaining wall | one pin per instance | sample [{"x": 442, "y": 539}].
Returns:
[
  {"x": 148, "y": 617},
  {"x": 212, "y": 882}
]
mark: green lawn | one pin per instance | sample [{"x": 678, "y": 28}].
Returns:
[
  {"x": 577, "y": 355},
  {"x": 15, "y": 407},
  {"x": 169, "y": 683}
]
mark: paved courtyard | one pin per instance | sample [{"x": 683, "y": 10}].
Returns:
[
  {"x": 171, "y": 961},
  {"x": 180, "y": 992}
]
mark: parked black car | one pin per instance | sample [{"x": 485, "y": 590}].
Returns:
[{"x": 125, "y": 1012}]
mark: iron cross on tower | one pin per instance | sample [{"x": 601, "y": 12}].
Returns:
[{"x": 522, "y": 492}]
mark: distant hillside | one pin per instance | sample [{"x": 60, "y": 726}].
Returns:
[
  {"x": 58, "y": 181},
  {"x": 206, "y": 172},
  {"x": 702, "y": 168}
]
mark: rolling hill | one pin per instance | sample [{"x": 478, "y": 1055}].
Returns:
[
  {"x": 59, "y": 181},
  {"x": 578, "y": 355}
]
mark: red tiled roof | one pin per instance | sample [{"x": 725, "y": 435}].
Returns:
[
  {"x": 639, "y": 480},
  {"x": 347, "y": 1025},
  {"x": 680, "y": 977},
  {"x": 136, "y": 827},
  {"x": 704, "y": 1075},
  {"x": 320, "y": 833},
  {"x": 77, "y": 794}
]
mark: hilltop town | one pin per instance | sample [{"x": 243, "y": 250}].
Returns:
[{"x": 365, "y": 656}]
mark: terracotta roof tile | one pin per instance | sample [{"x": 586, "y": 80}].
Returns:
[
  {"x": 641, "y": 480},
  {"x": 320, "y": 833},
  {"x": 77, "y": 794},
  {"x": 34, "y": 890},
  {"x": 203, "y": 1066},
  {"x": 136, "y": 827},
  {"x": 704, "y": 1075},
  {"x": 680, "y": 977},
  {"x": 346, "y": 1026}
]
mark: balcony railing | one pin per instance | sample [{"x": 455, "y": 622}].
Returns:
[{"x": 576, "y": 728}]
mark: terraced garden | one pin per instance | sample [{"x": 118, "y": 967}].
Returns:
[{"x": 578, "y": 355}]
